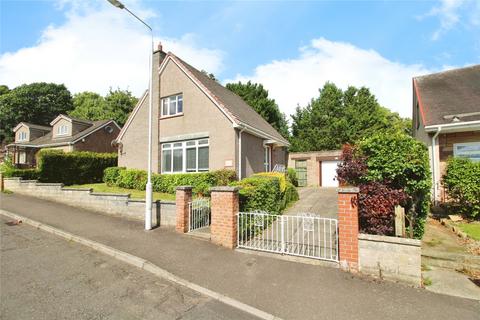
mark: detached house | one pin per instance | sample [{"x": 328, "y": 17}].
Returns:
[
  {"x": 446, "y": 117},
  {"x": 64, "y": 133},
  {"x": 198, "y": 125}
]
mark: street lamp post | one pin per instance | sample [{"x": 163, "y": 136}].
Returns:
[{"x": 148, "y": 191}]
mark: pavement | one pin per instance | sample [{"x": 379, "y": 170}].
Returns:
[
  {"x": 286, "y": 289},
  {"x": 44, "y": 277}
]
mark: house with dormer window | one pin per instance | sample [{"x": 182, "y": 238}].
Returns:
[
  {"x": 64, "y": 133},
  {"x": 446, "y": 117},
  {"x": 198, "y": 125}
]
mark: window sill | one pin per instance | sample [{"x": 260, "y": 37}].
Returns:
[{"x": 173, "y": 116}]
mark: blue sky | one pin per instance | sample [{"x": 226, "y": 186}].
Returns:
[{"x": 291, "y": 47}]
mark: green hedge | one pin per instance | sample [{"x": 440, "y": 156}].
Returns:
[
  {"x": 78, "y": 167},
  {"x": 462, "y": 181},
  {"x": 25, "y": 174},
  {"x": 167, "y": 183},
  {"x": 292, "y": 176},
  {"x": 266, "y": 192}
]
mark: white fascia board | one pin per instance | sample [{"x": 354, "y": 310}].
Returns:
[{"x": 470, "y": 125}]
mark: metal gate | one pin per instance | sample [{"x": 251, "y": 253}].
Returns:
[
  {"x": 305, "y": 235},
  {"x": 301, "y": 169},
  {"x": 199, "y": 214}
]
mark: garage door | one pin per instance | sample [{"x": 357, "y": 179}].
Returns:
[{"x": 329, "y": 173}]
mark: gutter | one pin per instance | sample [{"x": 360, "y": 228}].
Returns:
[{"x": 462, "y": 125}]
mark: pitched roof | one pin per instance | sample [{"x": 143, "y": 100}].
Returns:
[
  {"x": 48, "y": 140},
  {"x": 34, "y": 126},
  {"x": 448, "y": 95},
  {"x": 233, "y": 105}
]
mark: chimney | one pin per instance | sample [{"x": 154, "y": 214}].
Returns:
[{"x": 160, "y": 47}]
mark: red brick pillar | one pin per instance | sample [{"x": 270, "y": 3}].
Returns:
[
  {"x": 348, "y": 228},
  {"x": 224, "y": 209},
  {"x": 182, "y": 198}
]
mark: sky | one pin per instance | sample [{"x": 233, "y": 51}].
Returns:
[{"x": 291, "y": 47}]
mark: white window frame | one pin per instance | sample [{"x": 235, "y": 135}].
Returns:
[
  {"x": 22, "y": 157},
  {"x": 167, "y": 101},
  {"x": 62, "y": 130},
  {"x": 22, "y": 136},
  {"x": 465, "y": 144},
  {"x": 267, "y": 158},
  {"x": 182, "y": 145}
]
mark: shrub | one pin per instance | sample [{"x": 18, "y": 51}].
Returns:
[
  {"x": 78, "y": 167},
  {"x": 132, "y": 179},
  {"x": 25, "y": 174},
  {"x": 462, "y": 181},
  {"x": 292, "y": 176},
  {"x": 280, "y": 176},
  {"x": 398, "y": 162},
  {"x": 377, "y": 208},
  {"x": 111, "y": 174}
]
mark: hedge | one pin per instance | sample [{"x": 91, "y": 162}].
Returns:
[
  {"x": 270, "y": 192},
  {"x": 77, "y": 167},
  {"x": 25, "y": 174},
  {"x": 462, "y": 182},
  {"x": 167, "y": 183}
]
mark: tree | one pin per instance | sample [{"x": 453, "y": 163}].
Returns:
[
  {"x": 38, "y": 103},
  {"x": 256, "y": 96},
  {"x": 338, "y": 117},
  {"x": 89, "y": 106},
  {"x": 4, "y": 89},
  {"x": 116, "y": 105}
]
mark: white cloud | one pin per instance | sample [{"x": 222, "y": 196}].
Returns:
[
  {"x": 98, "y": 47},
  {"x": 296, "y": 81}
]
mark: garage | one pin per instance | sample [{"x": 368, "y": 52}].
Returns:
[{"x": 315, "y": 168}]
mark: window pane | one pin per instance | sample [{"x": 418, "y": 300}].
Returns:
[
  {"x": 180, "y": 104},
  {"x": 177, "y": 145},
  {"x": 190, "y": 143},
  {"x": 165, "y": 107},
  {"x": 166, "y": 146},
  {"x": 191, "y": 159},
  {"x": 204, "y": 141},
  {"x": 203, "y": 158},
  {"x": 173, "y": 106},
  {"x": 166, "y": 161},
  {"x": 177, "y": 160}
]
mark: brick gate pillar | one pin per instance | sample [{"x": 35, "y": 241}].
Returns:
[
  {"x": 348, "y": 228},
  {"x": 182, "y": 197},
  {"x": 224, "y": 209}
]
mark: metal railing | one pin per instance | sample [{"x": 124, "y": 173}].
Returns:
[
  {"x": 279, "y": 168},
  {"x": 305, "y": 235},
  {"x": 199, "y": 214}
]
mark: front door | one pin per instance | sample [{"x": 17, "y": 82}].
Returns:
[{"x": 301, "y": 168}]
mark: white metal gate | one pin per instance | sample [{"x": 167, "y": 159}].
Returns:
[
  {"x": 199, "y": 214},
  {"x": 305, "y": 235}
]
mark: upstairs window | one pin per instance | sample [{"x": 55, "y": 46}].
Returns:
[
  {"x": 22, "y": 136},
  {"x": 172, "y": 105},
  {"x": 62, "y": 130}
]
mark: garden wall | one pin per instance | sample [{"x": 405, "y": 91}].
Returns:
[
  {"x": 390, "y": 258},
  {"x": 113, "y": 204}
]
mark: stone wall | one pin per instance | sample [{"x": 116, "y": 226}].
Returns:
[
  {"x": 113, "y": 204},
  {"x": 390, "y": 258}
]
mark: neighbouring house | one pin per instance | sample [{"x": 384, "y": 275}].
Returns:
[
  {"x": 64, "y": 133},
  {"x": 316, "y": 168},
  {"x": 446, "y": 117},
  {"x": 198, "y": 125}
]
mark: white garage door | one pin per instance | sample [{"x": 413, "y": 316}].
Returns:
[{"x": 329, "y": 173}]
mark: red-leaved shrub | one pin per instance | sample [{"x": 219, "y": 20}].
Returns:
[{"x": 352, "y": 168}]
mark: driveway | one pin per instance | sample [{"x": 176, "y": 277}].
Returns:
[
  {"x": 44, "y": 277},
  {"x": 319, "y": 201}
]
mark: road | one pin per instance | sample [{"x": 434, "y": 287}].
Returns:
[{"x": 45, "y": 277}]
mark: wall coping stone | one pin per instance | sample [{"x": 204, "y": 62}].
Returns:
[
  {"x": 348, "y": 190},
  {"x": 184, "y": 188},
  {"x": 28, "y": 181},
  {"x": 13, "y": 178},
  {"x": 224, "y": 189},
  {"x": 126, "y": 195},
  {"x": 387, "y": 239},
  {"x": 47, "y": 183},
  {"x": 77, "y": 189}
]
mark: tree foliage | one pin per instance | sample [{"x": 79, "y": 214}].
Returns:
[
  {"x": 116, "y": 105},
  {"x": 256, "y": 96},
  {"x": 338, "y": 117},
  {"x": 400, "y": 164},
  {"x": 38, "y": 103}
]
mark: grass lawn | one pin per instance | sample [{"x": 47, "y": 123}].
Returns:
[
  {"x": 472, "y": 229},
  {"x": 136, "y": 194}
]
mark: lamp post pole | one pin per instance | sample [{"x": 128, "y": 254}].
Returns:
[{"x": 148, "y": 189}]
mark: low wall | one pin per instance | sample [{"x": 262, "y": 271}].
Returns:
[
  {"x": 390, "y": 258},
  {"x": 112, "y": 204}
]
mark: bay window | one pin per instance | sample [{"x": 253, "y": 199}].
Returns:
[
  {"x": 172, "y": 105},
  {"x": 185, "y": 156}
]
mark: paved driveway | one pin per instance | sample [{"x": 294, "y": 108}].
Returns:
[{"x": 320, "y": 201}]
